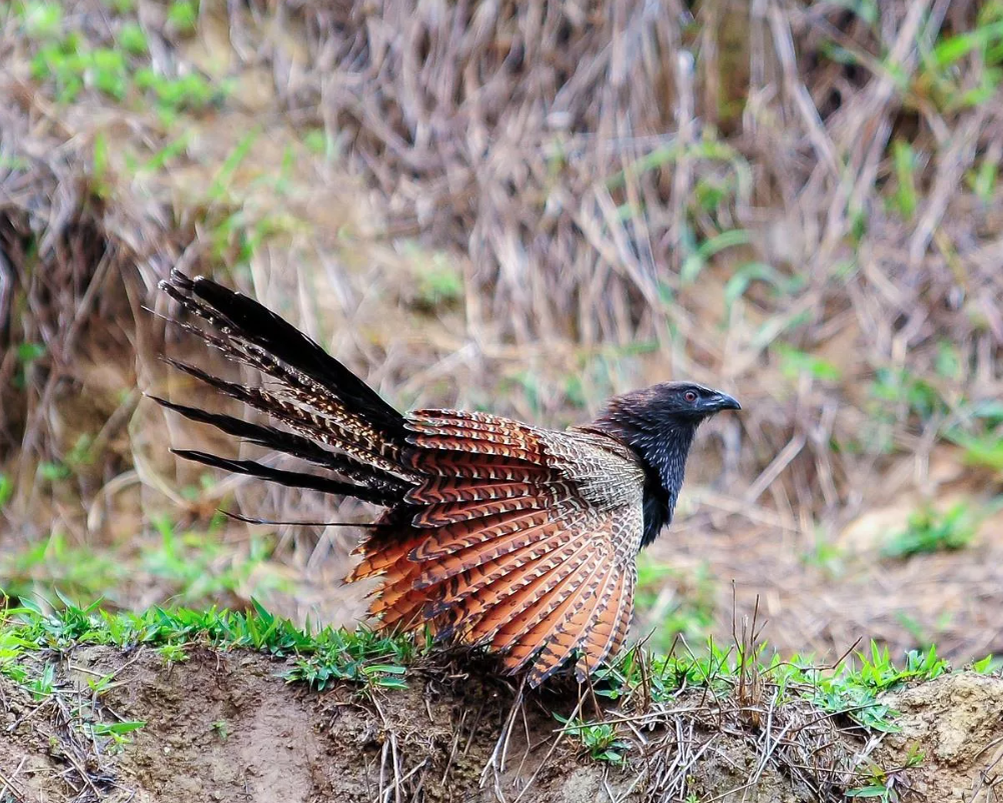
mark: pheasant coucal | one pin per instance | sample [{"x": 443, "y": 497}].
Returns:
[{"x": 496, "y": 533}]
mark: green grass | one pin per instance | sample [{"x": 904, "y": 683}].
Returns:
[
  {"x": 878, "y": 783},
  {"x": 905, "y": 198},
  {"x": 183, "y": 14},
  {"x": 850, "y": 690},
  {"x": 30, "y": 638},
  {"x": 26, "y": 355},
  {"x": 853, "y": 690},
  {"x": 963, "y": 70},
  {"x": 188, "y": 566},
  {"x": 374, "y": 659},
  {"x": 930, "y": 530},
  {"x": 599, "y": 739},
  {"x": 121, "y": 68},
  {"x": 6, "y": 490},
  {"x": 985, "y": 449},
  {"x": 691, "y": 612},
  {"x": 795, "y": 363},
  {"x": 54, "y": 563},
  {"x": 363, "y": 656}
]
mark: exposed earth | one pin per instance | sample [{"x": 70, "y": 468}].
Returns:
[{"x": 225, "y": 727}]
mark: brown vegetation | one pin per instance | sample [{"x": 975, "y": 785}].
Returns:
[{"x": 527, "y": 207}]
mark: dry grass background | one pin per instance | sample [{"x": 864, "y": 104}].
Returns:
[{"x": 524, "y": 207}]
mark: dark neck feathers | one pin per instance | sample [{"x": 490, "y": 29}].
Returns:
[{"x": 661, "y": 443}]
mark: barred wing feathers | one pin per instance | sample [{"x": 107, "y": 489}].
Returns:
[{"x": 521, "y": 539}]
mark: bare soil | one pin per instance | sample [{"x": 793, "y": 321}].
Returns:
[
  {"x": 225, "y": 727},
  {"x": 348, "y": 239}
]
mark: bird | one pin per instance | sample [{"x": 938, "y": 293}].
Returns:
[{"x": 498, "y": 534}]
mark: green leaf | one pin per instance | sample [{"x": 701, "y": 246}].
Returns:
[
  {"x": 132, "y": 38},
  {"x": 696, "y": 261},
  {"x": 117, "y": 728},
  {"x": 872, "y": 791}
]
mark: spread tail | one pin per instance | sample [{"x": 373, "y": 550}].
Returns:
[{"x": 331, "y": 418}]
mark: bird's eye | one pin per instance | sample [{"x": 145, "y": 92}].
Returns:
[{"x": 690, "y": 396}]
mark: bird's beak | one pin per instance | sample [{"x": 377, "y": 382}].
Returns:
[{"x": 725, "y": 402}]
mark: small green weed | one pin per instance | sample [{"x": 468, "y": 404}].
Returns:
[
  {"x": 119, "y": 69},
  {"x": 41, "y": 20},
  {"x": 952, "y": 85},
  {"x": 905, "y": 198},
  {"x": 897, "y": 394},
  {"x": 132, "y": 38},
  {"x": 598, "y": 738},
  {"x": 55, "y": 563},
  {"x": 43, "y": 685},
  {"x": 238, "y": 236},
  {"x": 697, "y": 260},
  {"x": 118, "y": 732},
  {"x": 900, "y": 387},
  {"x": 983, "y": 450},
  {"x": 26, "y": 355},
  {"x": 879, "y": 785},
  {"x": 440, "y": 284},
  {"x": 188, "y": 92},
  {"x": 363, "y": 657},
  {"x": 221, "y": 181},
  {"x": 183, "y": 14},
  {"x": 988, "y": 665},
  {"x": 438, "y": 280},
  {"x": 201, "y": 568},
  {"x": 853, "y": 690},
  {"x": 54, "y": 471},
  {"x": 795, "y": 363},
  {"x": 930, "y": 530},
  {"x": 825, "y": 556},
  {"x": 73, "y": 66},
  {"x": 983, "y": 179},
  {"x": 173, "y": 653},
  {"x": 688, "y": 613},
  {"x": 750, "y": 272}
]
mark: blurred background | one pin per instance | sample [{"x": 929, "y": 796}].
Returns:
[{"x": 524, "y": 208}]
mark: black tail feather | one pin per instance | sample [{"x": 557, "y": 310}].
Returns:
[
  {"x": 292, "y": 479},
  {"x": 363, "y": 525},
  {"x": 309, "y": 392},
  {"x": 302, "y": 421},
  {"x": 261, "y": 327},
  {"x": 294, "y": 445},
  {"x": 328, "y": 416}
]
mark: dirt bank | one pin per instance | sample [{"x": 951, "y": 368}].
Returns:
[{"x": 226, "y": 727}]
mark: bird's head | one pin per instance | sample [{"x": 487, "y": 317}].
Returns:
[
  {"x": 658, "y": 423},
  {"x": 664, "y": 410}
]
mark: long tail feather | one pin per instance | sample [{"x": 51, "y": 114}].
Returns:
[
  {"x": 294, "y": 445},
  {"x": 243, "y": 318},
  {"x": 309, "y": 383},
  {"x": 302, "y": 421},
  {"x": 292, "y": 479}
]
